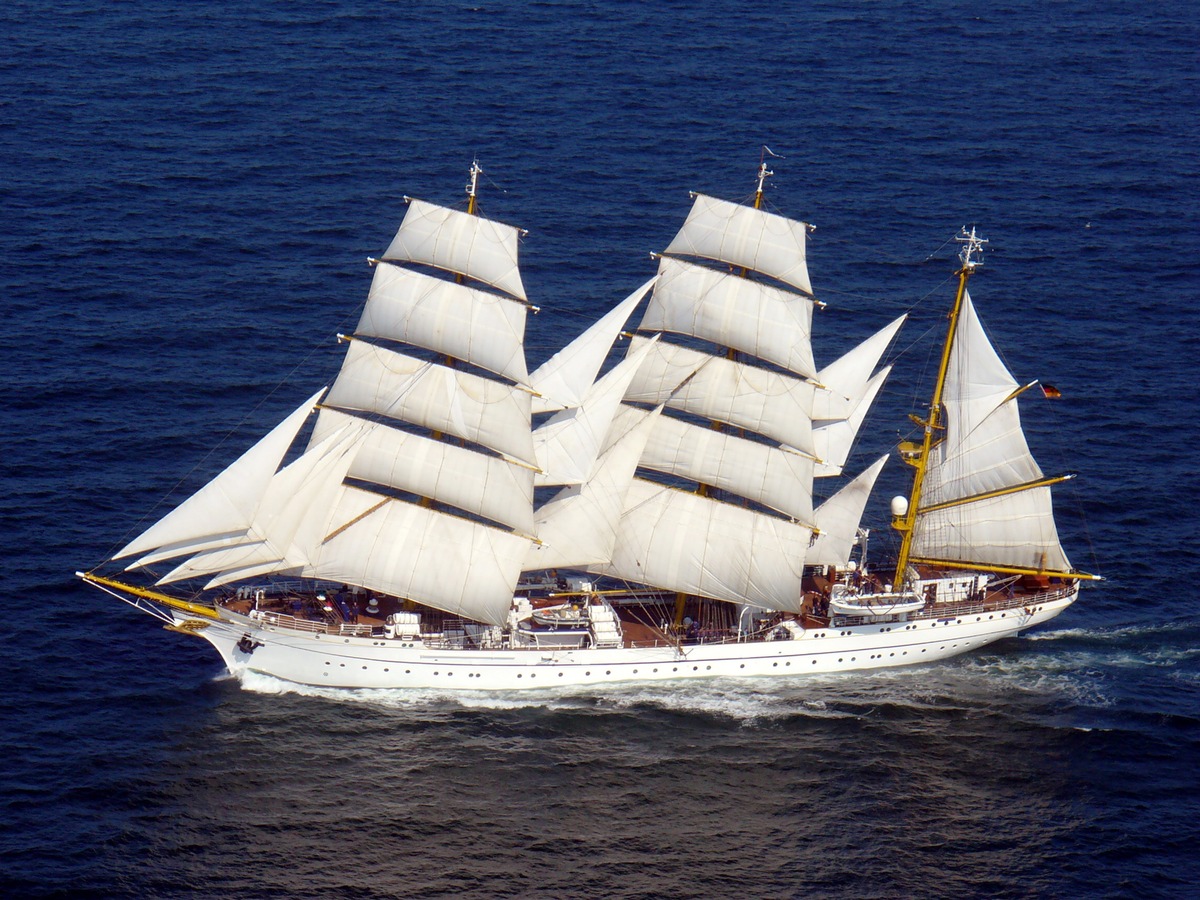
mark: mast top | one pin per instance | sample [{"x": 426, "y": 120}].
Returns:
[
  {"x": 476, "y": 171},
  {"x": 972, "y": 244},
  {"x": 763, "y": 174}
]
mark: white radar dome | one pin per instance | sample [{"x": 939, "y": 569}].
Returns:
[{"x": 899, "y": 506}]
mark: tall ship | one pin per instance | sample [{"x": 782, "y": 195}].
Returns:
[{"x": 442, "y": 517}]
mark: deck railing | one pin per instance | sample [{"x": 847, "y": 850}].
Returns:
[{"x": 285, "y": 620}]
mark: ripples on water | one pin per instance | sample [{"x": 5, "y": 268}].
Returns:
[{"x": 189, "y": 195}]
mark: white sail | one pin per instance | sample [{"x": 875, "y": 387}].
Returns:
[
  {"x": 984, "y": 451},
  {"x": 479, "y": 327},
  {"x": 756, "y": 318},
  {"x": 684, "y": 542},
  {"x": 845, "y": 379},
  {"x": 985, "y": 448},
  {"x": 838, "y": 517},
  {"x": 458, "y": 242},
  {"x": 378, "y": 380},
  {"x": 225, "y": 506},
  {"x": 775, "y": 477},
  {"x": 291, "y": 519},
  {"x": 564, "y": 379},
  {"x": 190, "y": 546},
  {"x": 488, "y": 486},
  {"x": 567, "y": 445},
  {"x": 1011, "y": 530},
  {"x": 772, "y": 404},
  {"x": 747, "y": 237},
  {"x": 452, "y": 564},
  {"x": 578, "y": 526},
  {"x": 834, "y": 440}
]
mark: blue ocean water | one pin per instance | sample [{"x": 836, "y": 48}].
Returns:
[{"x": 189, "y": 192}]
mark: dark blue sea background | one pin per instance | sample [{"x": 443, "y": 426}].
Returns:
[{"x": 189, "y": 194}]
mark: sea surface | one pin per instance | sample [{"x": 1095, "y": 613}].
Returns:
[{"x": 188, "y": 194}]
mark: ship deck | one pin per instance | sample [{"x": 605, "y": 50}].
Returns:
[{"x": 645, "y": 618}]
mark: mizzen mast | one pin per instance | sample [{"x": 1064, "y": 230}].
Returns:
[{"x": 910, "y": 452}]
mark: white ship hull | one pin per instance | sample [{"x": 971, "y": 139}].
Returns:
[{"x": 377, "y": 662}]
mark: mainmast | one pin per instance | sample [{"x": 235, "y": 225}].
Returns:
[{"x": 904, "y": 519}]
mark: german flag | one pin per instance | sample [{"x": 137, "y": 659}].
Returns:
[{"x": 1051, "y": 392}]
